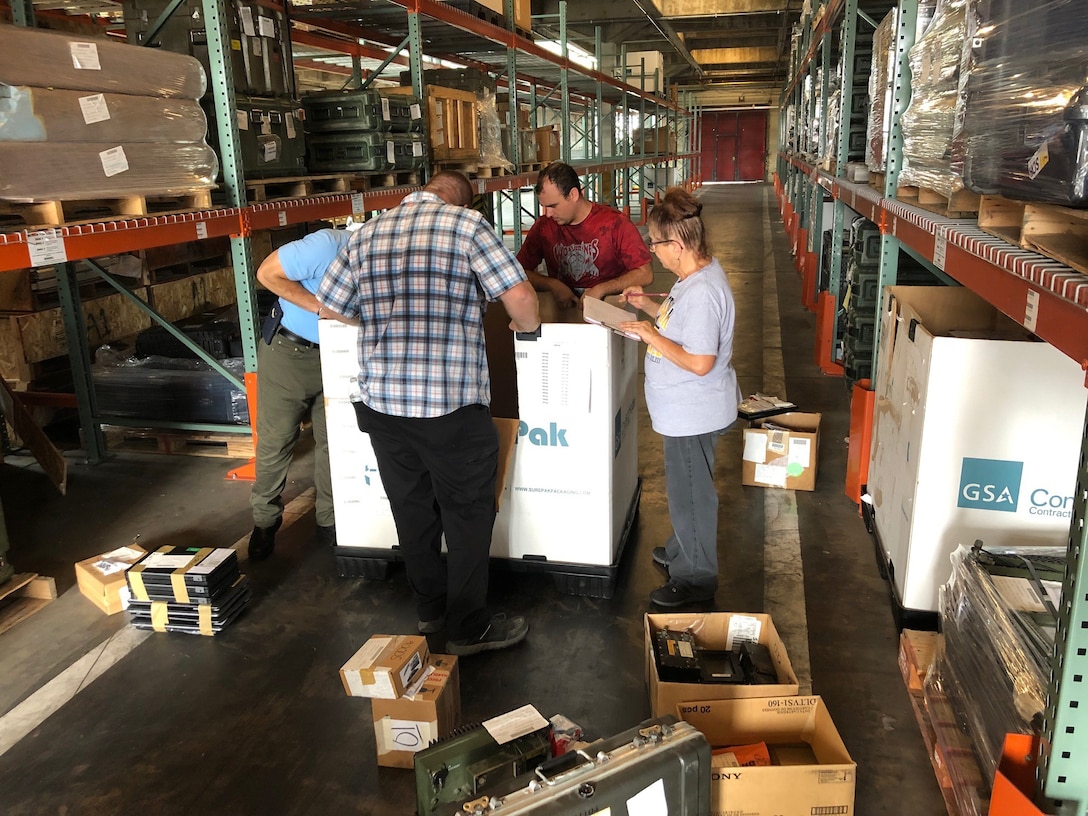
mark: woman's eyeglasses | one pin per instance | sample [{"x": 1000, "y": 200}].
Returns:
[{"x": 654, "y": 244}]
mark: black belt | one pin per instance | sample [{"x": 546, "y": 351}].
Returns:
[{"x": 291, "y": 337}]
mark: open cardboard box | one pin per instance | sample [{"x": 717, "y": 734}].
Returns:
[
  {"x": 812, "y": 771},
  {"x": 716, "y": 630}
]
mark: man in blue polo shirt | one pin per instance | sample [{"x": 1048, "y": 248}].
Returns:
[{"x": 289, "y": 387}]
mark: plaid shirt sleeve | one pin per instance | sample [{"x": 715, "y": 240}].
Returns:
[
  {"x": 494, "y": 265},
  {"x": 338, "y": 289}
]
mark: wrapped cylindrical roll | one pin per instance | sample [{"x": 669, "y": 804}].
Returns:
[
  {"x": 41, "y": 59},
  {"x": 43, "y": 171},
  {"x": 50, "y": 114}
]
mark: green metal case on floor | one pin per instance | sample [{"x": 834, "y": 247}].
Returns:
[
  {"x": 366, "y": 151},
  {"x": 339, "y": 111}
]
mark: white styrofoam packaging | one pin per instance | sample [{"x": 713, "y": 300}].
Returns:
[
  {"x": 574, "y": 476},
  {"x": 977, "y": 430}
]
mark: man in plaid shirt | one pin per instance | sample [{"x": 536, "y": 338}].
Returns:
[{"x": 416, "y": 280}]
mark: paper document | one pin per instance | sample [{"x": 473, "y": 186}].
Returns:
[{"x": 607, "y": 315}]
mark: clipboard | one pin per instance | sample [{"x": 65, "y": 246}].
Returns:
[{"x": 605, "y": 314}]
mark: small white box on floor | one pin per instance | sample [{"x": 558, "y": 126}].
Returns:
[
  {"x": 977, "y": 432},
  {"x": 385, "y": 666}
]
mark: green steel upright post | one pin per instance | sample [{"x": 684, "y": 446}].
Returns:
[
  {"x": 625, "y": 133},
  {"x": 79, "y": 357},
  {"x": 598, "y": 150},
  {"x": 22, "y": 13},
  {"x": 512, "y": 123},
  {"x": 1064, "y": 751},
  {"x": 642, "y": 141},
  {"x": 230, "y": 157},
  {"x": 842, "y": 151},
  {"x": 564, "y": 83},
  {"x": 415, "y": 65},
  {"x": 889, "y": 245}
]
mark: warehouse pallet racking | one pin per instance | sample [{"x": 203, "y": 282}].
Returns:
[{"x": 1045, "y": 296}]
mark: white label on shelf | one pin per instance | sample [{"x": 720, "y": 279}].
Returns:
[
  {"x": 114, "y": 161},
  {"x": 1038, "y": 161},
  {"x": 201, "y": 231},
  {"x": 1031, "y": 310},
  {"x": 247, "y": 21},
  {"x": 85, "y": 56},
  {"x": 415, "y": 111},
  {"x": 243, "y": 119},
  {"x": 417, "y": 149},
  {"x": 270, "y": 151},
  {"x": 94, "y": 108},
  {"x": 281, "y": 216},
  {"x": 289, "y": 121},
  {"x": 357, "y": 206},
  {"x": 940, "y": 246},
  {"x": 266, "y": 127},
  {"x": 390, "y": 155},
  {"x": 385, "y": 109},
  {"x": 258, "y": 49},
  {"x": 267, "y": 27},
  {"x": 46, "y": 247}
]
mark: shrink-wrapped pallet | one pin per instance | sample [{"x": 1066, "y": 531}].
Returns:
[
  {"x": 49, "y": 59},
  {"x": 880, "y": 94},
  {"x": 41, "y": 171},
  {"x": 932, "y": 157},
  {"x": 49, "y": 114},
  {"x": 1026, "y": 116}
]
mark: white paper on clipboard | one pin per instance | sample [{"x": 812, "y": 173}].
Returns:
[{"x": 605, "y": 314}]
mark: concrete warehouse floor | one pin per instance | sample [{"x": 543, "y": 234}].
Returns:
[{"x": 101, "y": 719}]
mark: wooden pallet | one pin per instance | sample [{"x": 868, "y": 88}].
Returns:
[
  {"x": 916, "y": 652},
  {"x": 473, "y": 169},
  {"x": 22, "y": 595},
  {"x": 62, "y": 212},
  {"x": 961, "y": 204},
  {"x": 184, "y": 443},
  {"x": 271, "y": 189},
  {"x": 1057, "y": 232}
]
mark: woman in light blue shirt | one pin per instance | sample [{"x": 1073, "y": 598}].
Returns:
[{"x": 691, "y": 391}]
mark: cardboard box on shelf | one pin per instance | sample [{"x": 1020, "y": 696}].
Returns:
[
  {"x": 547, "y": 145},
  {"x": 385, "y": 666},
  {"x": 430, "y": 712},
  {"x": 782, "y": 451},
  {"x": 715, "y": 630},
  {"x": 101, "y": 578},
  {"x": 811, "y": 771},
  {"x": 957, "y": 454}
]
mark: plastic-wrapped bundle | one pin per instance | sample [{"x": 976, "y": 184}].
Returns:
[
  {"x": 38, "y": 58},
  {"x": 1026, "y": 116},
  {"x": 168, "y": 389},
  {"x": 41, "y": 171},
  {"x": 932, "y": 158},
  {"x": 48, "y": 114},
  {"x": 491, "y": 154},
  {"x": 992, "y": 675},
  {"x": 880, "y": 93}
]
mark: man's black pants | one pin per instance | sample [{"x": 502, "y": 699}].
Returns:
[{"x": 439, "y": 475}]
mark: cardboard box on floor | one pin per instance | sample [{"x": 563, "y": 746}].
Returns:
[
  {"x": 715, "y": 630},
  {"x": 102, "y": 577},
  {"x": 411, "y": 723},
  {"x": 811, "y": 770},
  {"x": 385, "y": 666},
  {"x": 782, "y": 451}
]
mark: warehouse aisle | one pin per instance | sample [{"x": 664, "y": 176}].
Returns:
[{"x": 100, "y": 719}]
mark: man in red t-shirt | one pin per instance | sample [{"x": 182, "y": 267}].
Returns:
[{"x": 588, "y": 248}]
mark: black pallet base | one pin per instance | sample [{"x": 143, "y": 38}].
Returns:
[
  {"x": 584, "y": 580},
  {"x": 917, "y": 619}
]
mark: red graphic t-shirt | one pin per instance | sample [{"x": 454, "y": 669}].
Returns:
[{"x": 601, "y": 248}]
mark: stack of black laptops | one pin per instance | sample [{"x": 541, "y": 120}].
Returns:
[{"x": 198, "y": 590}]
